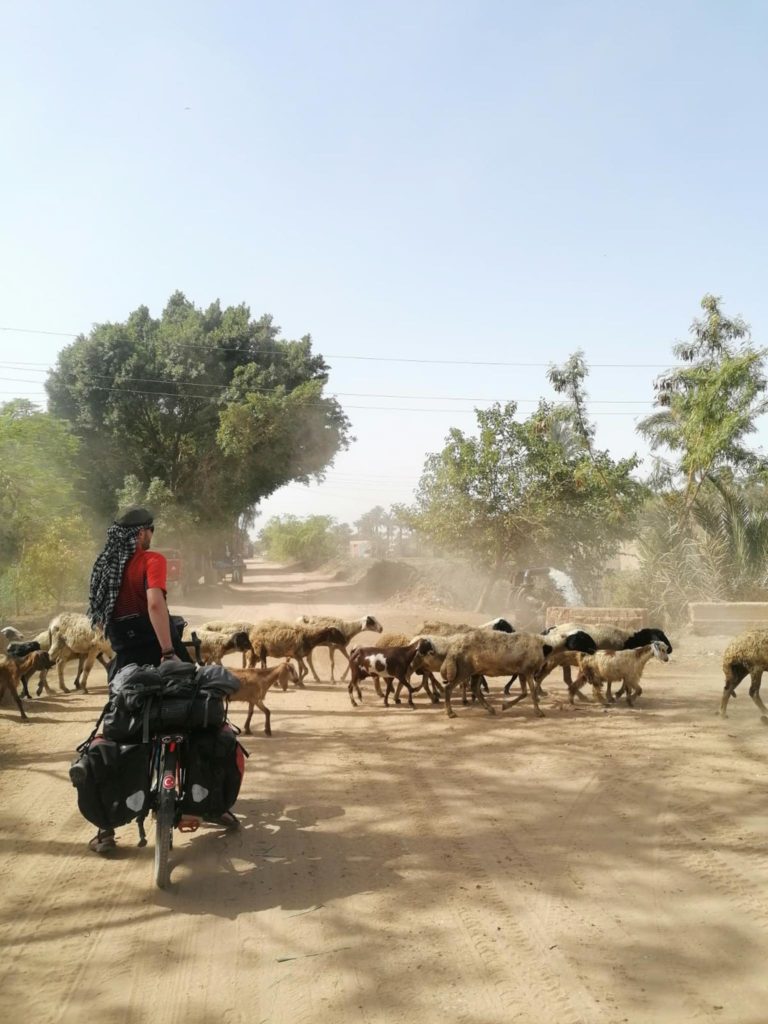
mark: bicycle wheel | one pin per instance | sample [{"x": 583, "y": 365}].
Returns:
[{"x": 166, "y": 808}]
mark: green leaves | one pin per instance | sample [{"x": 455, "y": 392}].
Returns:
[
  {"x": 308, "y": 541},
  {"x": 707, "y": 408},
  {"x": 211, "y": 404},
  {"x": 532, "y": 492},
  {"x": 45, "y": 538}
]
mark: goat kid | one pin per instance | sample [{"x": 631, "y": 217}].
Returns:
[
  {"x": 255, "y": 684},
  {"x": 387, "y": 663}
]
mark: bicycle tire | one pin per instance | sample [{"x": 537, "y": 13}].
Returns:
[{"x": 166, "y": 808}]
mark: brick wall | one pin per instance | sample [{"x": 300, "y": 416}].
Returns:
[
  {"x": 724, "y": 618},
  {"x": 626, "y": 618}
]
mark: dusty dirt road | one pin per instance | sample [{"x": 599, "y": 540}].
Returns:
[{"x": 592, "y": 867}]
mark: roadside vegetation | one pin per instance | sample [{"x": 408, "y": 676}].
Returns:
[{"x": 203, "y": 413}]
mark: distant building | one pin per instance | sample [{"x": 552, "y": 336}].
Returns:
[{"x": 361, "y": 548}]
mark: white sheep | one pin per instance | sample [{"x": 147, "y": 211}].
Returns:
[
  {"x": 625, "y": 667},
  {"x": 72, "y": 636}
]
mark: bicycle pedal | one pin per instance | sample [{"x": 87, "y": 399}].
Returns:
[{"x": 189, "y": 824}]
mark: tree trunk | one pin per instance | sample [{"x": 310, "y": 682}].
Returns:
[{"x": 489, "y": 585}]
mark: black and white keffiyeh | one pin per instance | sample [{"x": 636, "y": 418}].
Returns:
[{"x": 107, "y": 572}]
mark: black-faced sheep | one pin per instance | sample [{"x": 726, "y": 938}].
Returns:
[
  {"x": 489, "y": 653},
  {"x": 438, "y": 627},
  {"x": 606, "y": 637}
]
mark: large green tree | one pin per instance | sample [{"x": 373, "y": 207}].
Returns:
[
  {"x": 708, "y": 406},
  {"x": 526, "y": 493},
  {"x": 208, "y": 404}
]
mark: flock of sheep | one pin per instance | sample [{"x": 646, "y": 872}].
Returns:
[{"x": 439, "y": 658}]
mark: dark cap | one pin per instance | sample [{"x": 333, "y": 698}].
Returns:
[{"x": 136, "y": 517}]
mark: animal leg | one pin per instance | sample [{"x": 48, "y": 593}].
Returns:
[
  {"x": 354, "y": 685},
  {"x": 509, "y": 685},
  {"x": 312, "y": 667},
  {"x": 477, "y": 694},
  {"x": 447, "y": 690},
  {"x": 263, "y": 708},
  {"x": 80, "y": 663},
  {"x": 303, "y": 671},
  {"x": 346, "y": 670},
  {"x": 89, "y": 662},
  {"x": 521, "y": 696},
  {"x": 12, "y": 690},
  {"x": 403, "y": 682},
  {"x": 732, "y": 679},
  {"x": 247, "y": 726},
  {"x": 431, "y": 685},
  {"x": 754, "y": 689},
  {"x": 43, "y": 682}
]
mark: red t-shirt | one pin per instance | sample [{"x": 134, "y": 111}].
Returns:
[{"x": 144, "y": 570}]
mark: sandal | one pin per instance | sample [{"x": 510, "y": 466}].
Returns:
[
  {"x": 227, "y": 819},
  {"x": 103, "y": 841}
]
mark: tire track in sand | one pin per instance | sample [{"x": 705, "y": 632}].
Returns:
[{"x": 534, "y": 983}]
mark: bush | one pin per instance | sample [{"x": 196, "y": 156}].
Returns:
[{"x": 308, "y": 541}]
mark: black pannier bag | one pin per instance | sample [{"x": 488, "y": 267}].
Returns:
[
  {"x": 112, "y": 776},
  {"x": 112, "y": 781},
  {"x": 214, "y": 768}
]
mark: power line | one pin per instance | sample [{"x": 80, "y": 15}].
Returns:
[
  {"x": 337, "y": 394},
  {"x": 373, "y": 359}
]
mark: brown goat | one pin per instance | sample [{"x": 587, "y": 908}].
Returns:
[
  {"x": 36, "y": 661},
  {"x": 9, "y": 682},
  {"x": 254, "y": 684}
]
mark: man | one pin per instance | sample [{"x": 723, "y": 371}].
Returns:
[
  {"x": 127, "y": 595},
  {"x": 127, "y": 599}
]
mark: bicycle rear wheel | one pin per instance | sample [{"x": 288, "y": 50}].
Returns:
[{"x": 166, "y": 809}]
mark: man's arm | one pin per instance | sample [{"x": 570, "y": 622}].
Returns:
[{"x": 158, "y": 616}]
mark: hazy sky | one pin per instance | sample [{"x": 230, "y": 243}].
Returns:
[{"x": 427, "y": 180}]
